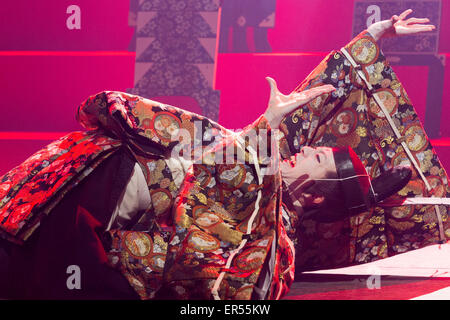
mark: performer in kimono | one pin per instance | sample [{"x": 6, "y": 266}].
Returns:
[{"x": 139, "y": 222}]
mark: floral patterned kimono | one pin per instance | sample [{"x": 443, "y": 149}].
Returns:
[{"x": 218, "y": 230}]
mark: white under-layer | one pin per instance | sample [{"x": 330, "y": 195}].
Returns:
[{"x": 431, "y": 261}]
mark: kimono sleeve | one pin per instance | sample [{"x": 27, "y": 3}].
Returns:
[
  {"x": 376, "y": 118},
  {"x": 149, "y": 127},
  {"x": 304, "y": 126}
]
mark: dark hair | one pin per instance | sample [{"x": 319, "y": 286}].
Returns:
[
  {"x": 345, "y": 194},
  {"x": 333, "y": 207}
]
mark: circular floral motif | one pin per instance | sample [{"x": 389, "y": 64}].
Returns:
[
  {"x": 207, "y": 219},
  {"x": 203, "y": 242},
  {"x": 146, "y": 123},
  {"x": 138, "y": 244},
  {"x": 415, "y": 138},
  {"x": 344, "y": 122},
  {"x": 250, "y": 259},
  {"x": 231, "y": 176},
  {"x": 166, "y": 125},
  {"x": 202, "y": 174},
  {"x": 198, "y": 210},
  {"x": 402, "y": 212},
  {"x": 400, "y": 159},
  {"x": 161, "y": 200},
  {"x": 364, "y": 51},
  {"x": 430, "y": 217},
  {"x": 437, "y": 186},
  {"x": 355, "y": 79},
  {"x": 316, "y": 104},
  {"x": 390, "y": 103},
  {"x": 157, "y": 262}
]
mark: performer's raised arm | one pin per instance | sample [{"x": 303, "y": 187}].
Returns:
[{"x": 398, "y": 26}]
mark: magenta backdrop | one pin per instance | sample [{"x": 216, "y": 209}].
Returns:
[{"x": 40, "y": 91}]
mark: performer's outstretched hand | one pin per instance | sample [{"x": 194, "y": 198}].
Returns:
[
  {"x": 280, "y": 105},
  {"x": 397, "y": 26}
]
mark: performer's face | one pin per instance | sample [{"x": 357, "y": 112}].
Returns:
[
  {"x": 309, "y": 164},
  {"x": 318, "y": 162}
]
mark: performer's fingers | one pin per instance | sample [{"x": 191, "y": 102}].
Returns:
[
  {"x": 322, "y": 87},
  {"x": 417, "y": 29},
  {"x": 427, "y": 27},
  {"x": 317, "y": 91},
  {"x": 273, "y": 86},
  {"x": 417, "y": 20},
  {"x": 318, "y": 88},
  {"x": 303, "y": 97},
  {"x": 325, "y": 87},
  {"x": 404, "y": 14}
]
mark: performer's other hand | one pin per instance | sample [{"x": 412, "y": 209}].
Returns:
[
  {"x": 397, "y": 26},
  {"x": 280, "y": 105}
]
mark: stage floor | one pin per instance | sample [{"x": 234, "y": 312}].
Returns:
[{"x": 423, "y": 274}]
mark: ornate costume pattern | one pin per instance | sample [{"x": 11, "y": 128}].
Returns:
[
  {"x": 226, "y": 225},
  {"x": 227, "y": 218},
  {"x": 351, "y": 116}
]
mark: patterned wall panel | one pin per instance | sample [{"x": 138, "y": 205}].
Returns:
[
  {"x": 238, "y": 17},
  {"x": 175, "y": 43}
]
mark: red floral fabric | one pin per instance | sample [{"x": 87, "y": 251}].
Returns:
[{"x": 29, "y": 191}]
